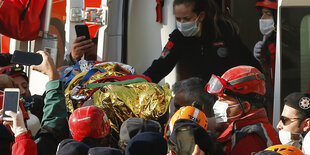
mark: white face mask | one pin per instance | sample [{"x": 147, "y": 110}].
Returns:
[
  {"x": 266, "y": 26},
  {"x": 286, "y": 138},
  {"x": 188, "y": 29},
  {"x": 220, "y": 111}
]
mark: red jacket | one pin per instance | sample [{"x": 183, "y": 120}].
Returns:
[
  {"x": 251, "y": 133},
  {"x": 24, "y": 145}
]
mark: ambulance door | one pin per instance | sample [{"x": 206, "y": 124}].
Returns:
[
  {"x": 146, "y": 37},
  {"x": 293, "y": 52}
]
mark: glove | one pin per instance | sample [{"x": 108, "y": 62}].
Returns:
[
  {"x": 18, "y": 126},
  {"x": 258, "y": 52}
]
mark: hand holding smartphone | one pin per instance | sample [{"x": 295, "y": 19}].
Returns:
[{"x": 10, "y": 102}]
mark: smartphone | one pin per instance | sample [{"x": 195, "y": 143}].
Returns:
[
  {"x": 82, "y": 30},
  {"x": 10, "y": 102},
  {"x": 26, "y": 58},
  {"x": 185, "y": 140}
]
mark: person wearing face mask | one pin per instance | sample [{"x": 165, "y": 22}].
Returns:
[
  {"x": 295, "y": 119},
  {"x": 241, "y": 120},
  {"x": 264, "y": 51},
  {"x": 204, "y": 42}
]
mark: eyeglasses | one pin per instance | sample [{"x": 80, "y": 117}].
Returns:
[{"x": 285, "y": 120}]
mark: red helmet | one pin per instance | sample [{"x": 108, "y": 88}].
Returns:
[
  {"x": 272, "y": 4},
  {"x": 240, "y": 79},
  {"x": 89, "y": 121}
]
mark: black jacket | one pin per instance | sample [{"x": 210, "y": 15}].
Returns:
[{"x": 201, "y": 57}]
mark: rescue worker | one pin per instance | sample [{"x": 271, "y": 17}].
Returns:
[
  {"x": 90, "y": 125},
  {"x": 204, "y": 38},
  {"x": 285, "y": 149},
  {"x": 265, "y": 50},
  {"x": 240, "y": 117},
  {"x": 191, "y": 119},
  {"x": 295, "y": 119}
]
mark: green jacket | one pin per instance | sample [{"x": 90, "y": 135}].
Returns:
[{"x": 54, "y": 125}]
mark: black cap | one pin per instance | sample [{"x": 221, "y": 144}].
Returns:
[
  {"x": 104, "y": 150},
  {"x": 299, "y": 101},
  {"x": 71, "y": 146},
  {"x": 149, "y": 143},
  {"x": 134, "y": 126}
]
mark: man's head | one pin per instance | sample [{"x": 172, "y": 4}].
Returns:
[
  {"x": 19, "y": 77},
  {"x": 89, "y": 122},
  {"x": 295, "y": 117},
  {"x": 189, "y": 113},
  {"x": 147, "y": 143},
  {"x": 134, "y": 126},
  {"x": 190, "y": 90},
  {"x": 239, "y": 91}
]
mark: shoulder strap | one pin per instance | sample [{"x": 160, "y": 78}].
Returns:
[{"x": 257, "y": 128}]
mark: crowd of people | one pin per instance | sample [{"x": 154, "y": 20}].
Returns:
[{"x": 220, "y": 104}]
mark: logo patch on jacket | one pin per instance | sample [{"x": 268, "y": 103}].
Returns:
[
  {"x": 167, "y": 49},
  {"x": 218, "y": 44}
]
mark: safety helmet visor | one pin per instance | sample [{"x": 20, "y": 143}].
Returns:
[{"x": 216, "y": 85}]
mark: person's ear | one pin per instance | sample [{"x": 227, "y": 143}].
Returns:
[
  {"x": 202, "y": 16},
  {"x": 306, "y": 125},
  {"x": 246, "y": 106}
]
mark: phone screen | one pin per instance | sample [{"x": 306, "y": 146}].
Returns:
[
  {"x": 10, "y": 102},
  {"x": 26, "y": 58}
]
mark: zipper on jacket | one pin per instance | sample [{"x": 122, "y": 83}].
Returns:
[{"x": 202, "y": 49}]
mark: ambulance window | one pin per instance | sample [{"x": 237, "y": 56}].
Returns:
[
  {"x": 305, "y": 53},
  {"x": 295, "y": 50}
]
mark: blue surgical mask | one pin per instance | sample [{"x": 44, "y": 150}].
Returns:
[{"x": 188, "y": 29}]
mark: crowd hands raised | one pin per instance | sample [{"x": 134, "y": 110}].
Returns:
[{"x": 89, "y": 107}]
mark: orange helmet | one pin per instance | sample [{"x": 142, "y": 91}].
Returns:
[
  {"x": 285, "y": 149},
  {"x": 272, "y": 4},
  {"x": 240, "y": 80},
  {"x": 89, "y": 121},
  {"x": 190, "y": 113}
]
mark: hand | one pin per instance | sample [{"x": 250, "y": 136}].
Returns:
[
  {"x": 197, "y": 151},
  {"x": 47, "y": 67},
  {"x": 18, "y": 125},
  {"x": 80, "y": 46},
  {"x": 258, "y": 52}
]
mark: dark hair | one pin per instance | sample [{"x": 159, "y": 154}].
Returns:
[
  {"x": 193, "y": 89},
  {"x": 212, "y": 11},
  {"x": 302, "y": 116}
]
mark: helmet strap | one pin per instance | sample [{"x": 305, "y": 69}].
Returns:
[{"x": 240, "y": 103}]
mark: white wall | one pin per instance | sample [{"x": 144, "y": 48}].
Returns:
[{"x": 146, "y": 37}]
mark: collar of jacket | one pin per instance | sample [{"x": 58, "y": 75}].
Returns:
[{"x": 256, "y": 116}]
